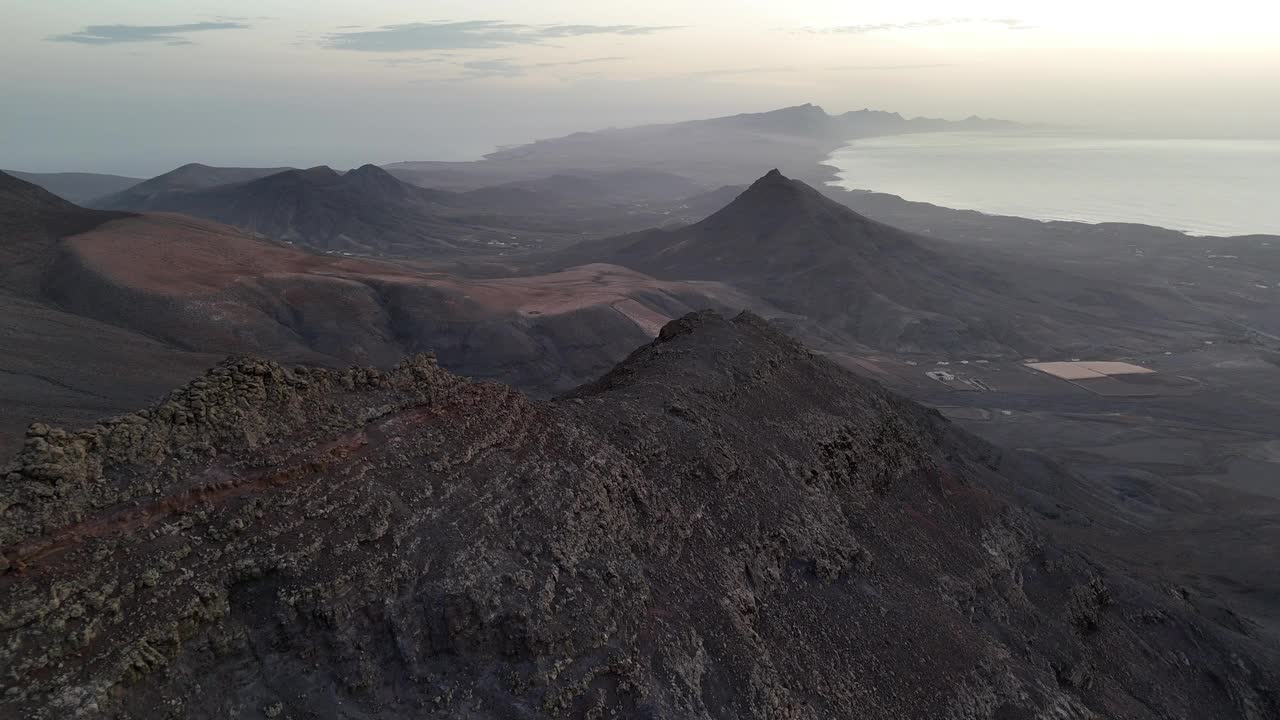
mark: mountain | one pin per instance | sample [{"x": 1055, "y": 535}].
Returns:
[
  {"x": 31, "y": 221},
  {"x": 206, "y": 287},
  {"x": 189, "y": 177},
  {"x": 366, "y": 211},
  {"x": 56, "y": 365},
  {"x": 853, "y": 280},
  {"x": 712, "y": 152},
  {"x": 84, "y": 291},
  {"x": 75, "y": 186},
  {"x": 724, "y": 526}
]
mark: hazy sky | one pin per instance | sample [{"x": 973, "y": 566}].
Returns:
[{"x": 140, "y": 86}]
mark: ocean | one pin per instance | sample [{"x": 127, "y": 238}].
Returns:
[{"x": 1202, "y": 187}]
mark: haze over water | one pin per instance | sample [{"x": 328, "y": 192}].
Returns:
[{"x": 1203, "y": 187}]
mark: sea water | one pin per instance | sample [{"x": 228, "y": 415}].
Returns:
[{"x": 1203, "y": 187}]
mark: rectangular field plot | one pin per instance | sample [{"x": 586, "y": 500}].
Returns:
[{"x": 1088, "y": 370}]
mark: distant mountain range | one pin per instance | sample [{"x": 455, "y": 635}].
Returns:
[
  {"x": 714, "y": 152},
  {"x": 365, "y": 210},
  {"x": 83, "y": 291},
  {"x": 548, "y": 194},
  {"x": 188, "y": 178},
  {"x": 636, "y": 164},
  {"x": 368, "y": 211}
]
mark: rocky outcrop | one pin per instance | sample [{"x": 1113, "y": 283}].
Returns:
[{"x": 724, "y": 526}]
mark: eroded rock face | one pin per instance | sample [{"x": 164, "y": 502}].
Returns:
[{"x": 724, "y": 526}]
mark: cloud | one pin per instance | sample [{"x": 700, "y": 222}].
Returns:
[
  {"x": 509, "y": 68},
  {"x": 1006, "y": 23},
  {"x": 738, "y": 71},
  {"x": 410, "y": 61},
  {"x": 922, "y": 66},
  {"x": 471, "y": 34},
  {"x": 575, "y": 30},
  {"x": 502, "y": 67},
  {"x": 584, "y": 61},
  {"x": 117, "y": 34}
]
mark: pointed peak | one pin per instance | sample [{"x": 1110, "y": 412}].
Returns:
[
  {"x": 372, "y": 173},
  {"x": 776, "y": 198},
  {"x": 372, "y": 177},
  {"x": 773, "y": 178}
]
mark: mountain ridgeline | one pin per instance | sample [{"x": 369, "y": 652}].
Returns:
[
  {"x": 369, "y": 211},
  {"x": 365, "y": 210}
]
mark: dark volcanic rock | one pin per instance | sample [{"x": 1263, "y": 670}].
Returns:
[{"x": 724, "y": 526}]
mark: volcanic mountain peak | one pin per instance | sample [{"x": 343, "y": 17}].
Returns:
[
  {"x": 775, "y": 227},
  {"x": 780, "y": 186},
  {"x": 371, "y": 178},
  {"x": 774, "y": 189},
  {"x": 199, "y": 175},
  {"x": 792, "y": 217},
  {"x": 320, "y": 174},
  {"x": 369, "y": 170}
]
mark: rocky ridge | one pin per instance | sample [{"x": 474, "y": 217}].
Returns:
[{"x": 724, "y": 526}]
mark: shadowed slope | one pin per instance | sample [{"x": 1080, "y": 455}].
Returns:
[
  {"x": 31, "y": 220},
  {"x": 78, "y": 187},
  {"x": 55, "y": 365}
]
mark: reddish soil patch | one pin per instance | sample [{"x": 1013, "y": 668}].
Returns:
[
  {"x": 559, "y": 292},
  {"x": 175, "y": 255}
]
